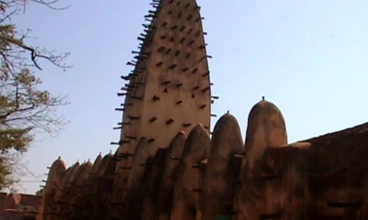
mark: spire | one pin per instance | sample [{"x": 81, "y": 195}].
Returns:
[
  {"x": 169, "y": 88},
  {"x": 169, "y": 85}
]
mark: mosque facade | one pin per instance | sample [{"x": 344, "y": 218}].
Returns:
[{"x": 169, "y": 166}]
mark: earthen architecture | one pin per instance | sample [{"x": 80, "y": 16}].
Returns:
[
  {"x": 169, "y": 167},
  {"x": 19, "y": 206}
]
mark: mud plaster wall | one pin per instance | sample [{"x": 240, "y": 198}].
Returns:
[
  {"x": 170, "y": 88},
  {"x": 169, "y": 91}
]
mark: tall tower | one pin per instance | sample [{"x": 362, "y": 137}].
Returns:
[{"x": 169, "y": 88}]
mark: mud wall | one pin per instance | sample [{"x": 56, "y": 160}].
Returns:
[
  {"x": 198, "y": 177},
  {"x": 168, "y": 166}
]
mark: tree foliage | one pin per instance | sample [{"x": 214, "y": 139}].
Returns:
[{"x": 24, "y": 108}]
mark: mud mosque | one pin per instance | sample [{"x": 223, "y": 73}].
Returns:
[{"x": 168, "y": 165}]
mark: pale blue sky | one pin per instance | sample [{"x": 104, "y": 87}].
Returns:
[{"x": 307, "y": 57}]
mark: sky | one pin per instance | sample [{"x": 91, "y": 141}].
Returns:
[{"x": 307, "y": 57}]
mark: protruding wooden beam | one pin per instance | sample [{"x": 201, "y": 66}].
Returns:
[
  {"x": 198, "y": 19},
  {"x": 186, "y": 124},
  {"x": 125, "y": 89},
  {"x": 206, "y": 89},
  {"x": 196, "y": 7},
  {"x": 131, "y": 117},
  {"x": 131, "y": 137},
  {"x": 161, "y": 49},
  {"x": 202, "y": 46},
  {"x": 155, "y": 98},
  {"x": 172, "y": 66},
  {"x": 202, "y": 59},
  {"x": 170, "y": 121},
  {"x": 151, "y": 140},
  {"x": 174, "y": 27},
  {"x": 165, "y": 82},
  {"x": 130, "y": 86},
  {"x": 125, "y": 77}
]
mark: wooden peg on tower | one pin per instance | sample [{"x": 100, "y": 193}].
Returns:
[
  {"x": 155, "y": 98},
  {"x": 153, "y": 119},
  {"x": 169, "y": 121}
]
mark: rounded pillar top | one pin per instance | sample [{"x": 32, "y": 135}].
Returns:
[
  {"x": 266, "y": 121},
  {"x": 266, "y": 128},
  {"x": 58, "y": 166}
]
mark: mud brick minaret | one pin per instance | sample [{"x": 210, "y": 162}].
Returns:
[{"x": 169, "y": 88}]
